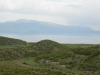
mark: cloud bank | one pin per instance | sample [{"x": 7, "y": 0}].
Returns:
[{"x": 65, "y": 12}]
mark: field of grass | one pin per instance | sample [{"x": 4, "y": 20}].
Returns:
[
  {"x": 66, "y": 45},
  {"x": 64, "y": 59},
  {"x": 79, "y": 45}
]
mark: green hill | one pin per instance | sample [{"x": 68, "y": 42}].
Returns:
[
  {"x": 47, "y": 47},
  {"x": 48, "y": 57},
  {"x": 10, "y": 41},
  {"x": 39, "y": 48}
]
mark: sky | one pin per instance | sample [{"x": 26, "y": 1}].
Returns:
[{"x": 64, "y": 12}]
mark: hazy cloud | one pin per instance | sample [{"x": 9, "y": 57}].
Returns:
[{"x": 66, "y": 12}]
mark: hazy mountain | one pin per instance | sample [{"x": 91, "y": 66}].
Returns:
[{"x": 23, "y": 26}]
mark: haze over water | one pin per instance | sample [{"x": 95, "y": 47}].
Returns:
[{"x": 67, "y": 39}]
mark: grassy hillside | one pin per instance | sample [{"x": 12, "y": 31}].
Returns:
[
  {"x": 77, "y": 59},
  {"x": 10, "y": 41},
  {"x": 39, "y": 48},
  {"x": 47, "y": 46},
  {"x": 18, "y": 70},
  {"x": 48, "y": 57}
]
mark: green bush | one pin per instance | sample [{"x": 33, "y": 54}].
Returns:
[
  {"x": 55, "y": 56},
  {"x": 17, "y": 70},
  {"x": 63, "y": 63}
]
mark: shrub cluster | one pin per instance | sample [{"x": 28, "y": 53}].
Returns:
[
  {"x": 55, "y": 56},
  {"x": 18, "y": 70}
]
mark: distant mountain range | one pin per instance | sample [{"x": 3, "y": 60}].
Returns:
[{"x": 32, "y": 27}]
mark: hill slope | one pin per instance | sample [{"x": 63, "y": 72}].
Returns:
[
  {"x": 10, "y": 41},
  {"x": 47, "y": 46},
  {"x": 41, "y": 47},
  {"x": 52, "y": 55}
]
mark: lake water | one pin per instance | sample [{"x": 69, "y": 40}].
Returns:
[{"x": 68, "y": 39}]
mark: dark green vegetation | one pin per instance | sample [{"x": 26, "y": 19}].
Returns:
[
  {"x": 47, "y": 47},
  {"x": 47, "y": 57},
  {"x": 10, "y": 41},
  {"x": 13, "y": 70}
]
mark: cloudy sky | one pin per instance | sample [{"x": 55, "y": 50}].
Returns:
[{"x": 65, "y": 12}]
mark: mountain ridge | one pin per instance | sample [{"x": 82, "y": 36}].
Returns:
[{"x": 23, "y": 26}]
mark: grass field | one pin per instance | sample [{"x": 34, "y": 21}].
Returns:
[
  {"x": 67, "y": 45},
  {"x": 30, "y": 62},
  {"x": 79, "y": 45}
]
